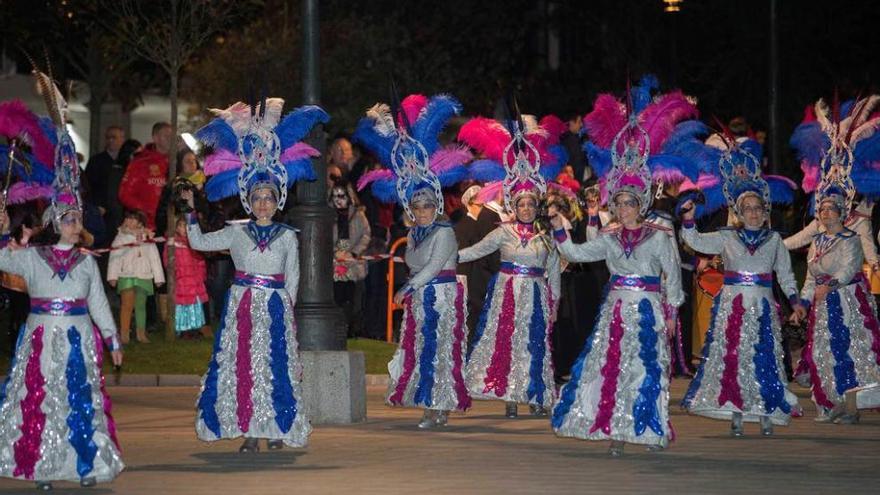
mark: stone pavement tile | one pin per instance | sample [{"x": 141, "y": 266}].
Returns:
[{"x": 480, "y": 452}]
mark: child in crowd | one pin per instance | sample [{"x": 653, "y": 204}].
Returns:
[
  {"x": 189, "y": 289},
  {"x": 132, "y": 270}
]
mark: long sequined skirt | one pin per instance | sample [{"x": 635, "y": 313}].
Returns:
[
  {"x": 619, "y": 388},
  {"x": 426, "y": 370},
  {"x": 741, "y": 369},
  {"x": 510, "y": 358},
  {"x": 252, "y": 386},
  {"x": 55, "y": 421},
  {"x": 843, "y": 344}
]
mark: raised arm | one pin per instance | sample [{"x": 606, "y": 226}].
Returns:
[
  {"x": 711, "y": 243},
  {"x": 804, "y": 237},
  {"x": 594, "y": 250},
  {"x": 485, "y": 247},
  {"x": 99, "y": 308},
  {"x": 443, "y": 247},
  {"x": 782, "y": 267},
  {"x": 291, "y": 267},
  {"x": 215, "y": 241}
]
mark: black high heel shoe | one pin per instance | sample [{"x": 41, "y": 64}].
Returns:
[
  {"x": 250, "y": 446},
  {"x": 275, "y": 444},
  {"x": 44, "y": 486},
  {"x": 88, "y": 482}
]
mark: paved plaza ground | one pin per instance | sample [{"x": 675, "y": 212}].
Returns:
[{"x": 481, "y": 452}]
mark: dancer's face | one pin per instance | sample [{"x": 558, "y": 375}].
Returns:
[
  {"x": 71, "y": 227},
  {"x": 264, "y": 204},
  {"x": 627, "y": 208},
  {"x": 526, "y": 209},
  {"x": 753, "y": 214},
  {"x": 424, "y": 213},
  {"x": 829, "y": 215}
]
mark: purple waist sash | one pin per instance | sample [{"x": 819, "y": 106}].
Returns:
[
  {"x": 524, "y": 271},
  {"x": 748, "y": 279},
  {"x": 59, "y": 307},
  {"x": 635, "y": 282},
  {"x": 255, "y": 280},
  {"x": 825, "y": 278}
]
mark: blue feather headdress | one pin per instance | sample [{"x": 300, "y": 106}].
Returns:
[
  {"x": 253, "y": 146},
  {"x": 675, "y": 152},
  {"x": 739, "y": 172},
  {"x": 406, "y": 142},
  {"x": 837, "y": 141}
]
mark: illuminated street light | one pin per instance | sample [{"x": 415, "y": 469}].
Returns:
[{"x": 673, "y": 5}]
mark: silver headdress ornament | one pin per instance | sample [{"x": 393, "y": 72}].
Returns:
[
  {"x": 741, "y": 173},
  {"x": 522, "y": 176},
  {"x": 415, "y": 180},
  {"x": 65, "y": 196},
  {"x": 629, "y": 167},
  {"x": 259, "y": 149},
  {"x": 836, "y": 184}
]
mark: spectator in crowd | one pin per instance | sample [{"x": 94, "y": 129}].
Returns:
[
  {"x": 351, "y": 237},
  {"x": 146, "y": 175},
  {"x": 572, "y": 140},
  {"x": 115, "y": 211},
  {"x": 132, "y": 270},
  {"x": 189, "y": 289},
  {"x": 341, "y": 155},
  {"x": 97, "y": 173}
]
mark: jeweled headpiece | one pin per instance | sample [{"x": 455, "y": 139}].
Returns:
[
  {"x": 741, "y": 174},
  {"x": 65, "y": 197},
  {"x": 523, "y": 174},
  {"x": 837, "y": 137},
  {"x": 405, "y": 138},
  {"x": 253, "y": 148},
  {"x": 629, "y": 166}
]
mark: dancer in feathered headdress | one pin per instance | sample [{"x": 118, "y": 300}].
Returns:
[
  {"x": 257, "y": 155},
  {"x": 509, "y": 360},
  {"x": 842, "y": 329},
  {"x": 427, "y": 368},
  {"x": 844, "y": 135},
  {"x": 742, "y": 344},
  {"x": 672, "y": 152},
  {"x": 55, "y": 423},
  {"x": 643, "y": 263}
]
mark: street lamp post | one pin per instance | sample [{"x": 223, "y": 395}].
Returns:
[
  {"x": 321, "y": 326},
  {"x": 334, "y": 381}
]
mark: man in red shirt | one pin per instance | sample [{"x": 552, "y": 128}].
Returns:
[{"x": 142, "y": 184}]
